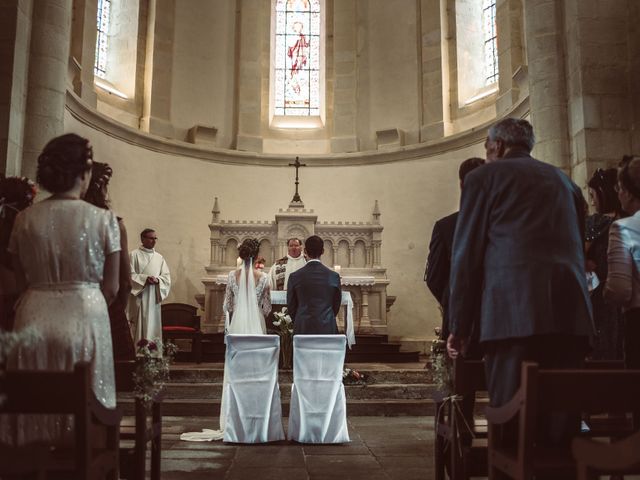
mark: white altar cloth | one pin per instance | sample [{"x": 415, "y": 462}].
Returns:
[
  {"x": 279, "y": 297},
  {"x": 318, "y": 412},
  {"x": 251, "y": 403}
]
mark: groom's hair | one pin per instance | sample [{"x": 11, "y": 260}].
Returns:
[{"x": 314, "y": 246}]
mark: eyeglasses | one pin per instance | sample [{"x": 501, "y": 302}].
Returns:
[{"x": 152, "y": 238}]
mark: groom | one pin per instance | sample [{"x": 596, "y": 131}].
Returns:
[{"x": 313, "y": 294}]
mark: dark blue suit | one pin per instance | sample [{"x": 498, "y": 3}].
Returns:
[
  {"x": 313, "y": 299},
  {"x": 518, "y": 265}
]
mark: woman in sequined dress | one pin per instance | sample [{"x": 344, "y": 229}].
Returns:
[
  {"x": 97, "y": 195},
  {"x": 607, "y": 318},
  {"x": 66, "y": 257}
]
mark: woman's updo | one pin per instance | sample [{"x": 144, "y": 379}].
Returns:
[
  {"x": 249, "y": 248},
  {"x": 97, "y": 192},
  {"x": 62, "y": 161}
]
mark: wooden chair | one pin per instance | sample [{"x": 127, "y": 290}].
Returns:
[
  {"x": 541, "y": 391},
  {"x": 596, "y": 458},
  {"x": 94, "y": 453},
  {"x": 179, "y": 322},
  {"x": 133, "y": 460},
  {"x": 463, "y": 460}
]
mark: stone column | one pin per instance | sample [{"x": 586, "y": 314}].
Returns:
[
  {"x": 15, "y": 25},
  {"x": 83, "y": 50},
  {"x": 156, "y": 107},
  {"x": 335, "y": 254},
  {"x": 364, "y": 318},
  {"x": 351, "y": 255},
  {"x": 547, "y": 81},
  {"x": 376, "y": 254},
  {"x": 344, "y": 138},
  {"x": 48, "y": 63},
  {"x": 598, "y": 35},
  {"x": 250, "y": 79},
  {"x": 434, "y": 62},
  {"x": 511, "y": 56}
]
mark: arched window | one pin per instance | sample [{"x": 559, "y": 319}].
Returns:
[
  {"x": 490, "y": 41},
  {"x": 297, "y": 75},
  {"x": 102, "y": 39},
  {"x": 476, "y": 49}
]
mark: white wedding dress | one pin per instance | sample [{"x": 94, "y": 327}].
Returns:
[{"x": 245, "y": 307}]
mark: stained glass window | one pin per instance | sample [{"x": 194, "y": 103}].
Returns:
[
  {"x": 102, "y": 43},
  {"x": 490, "y": 41},
  {"x": 297, "y": 58}
]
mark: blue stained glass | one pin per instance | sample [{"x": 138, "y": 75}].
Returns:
[
  {"x": 490, "y": 41},
  {"x": 102, "y": 38}
]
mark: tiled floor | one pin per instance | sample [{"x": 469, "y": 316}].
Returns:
[{"x": 381, "y": 448}]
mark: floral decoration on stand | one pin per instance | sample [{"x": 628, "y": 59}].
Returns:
[
  {"x": 16, "y": 193},
  {"x": 152, "y": 368},
  {"x": 351, "y": 376},
  {"x": 441, "y": 365},
  {"x": 284, "y": 325}
]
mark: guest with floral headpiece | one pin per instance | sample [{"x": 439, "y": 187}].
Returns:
[
  {"x": 97, "y": 194},
  {"x": 16, "y": 194}
]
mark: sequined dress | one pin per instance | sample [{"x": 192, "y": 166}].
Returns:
[{"x": 62, "y": 246}]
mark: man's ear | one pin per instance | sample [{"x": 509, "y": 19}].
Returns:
[
  {"x": 322, "y": 251},
  {"x": 501, "y": 148},
  {"x": 304, "y": 250}
]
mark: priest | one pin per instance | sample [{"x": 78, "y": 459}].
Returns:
[
  {"x": 151, "y": 283},
  {"x": 282, "y": 268}
]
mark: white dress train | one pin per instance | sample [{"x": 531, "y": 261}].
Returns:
[{"x": 247, "y": 305}]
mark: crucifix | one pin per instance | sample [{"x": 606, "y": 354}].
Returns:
[{"x": 297, "y": 164}]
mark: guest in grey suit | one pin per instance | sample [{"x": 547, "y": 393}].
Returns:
[
  {"x": 518, "y": 259},
  {"x": 313, "y": 294}
]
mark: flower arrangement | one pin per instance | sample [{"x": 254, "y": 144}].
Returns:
[
  {"x": 440, "y": 364},
  {"x": 152, "y": 369},
  {"x": 351, "y": 376},
  {"x": 16, "y": 193},
  {"x": 284, "y": 325}
]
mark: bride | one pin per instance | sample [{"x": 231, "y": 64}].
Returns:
[{"x": 247, "y": 301}]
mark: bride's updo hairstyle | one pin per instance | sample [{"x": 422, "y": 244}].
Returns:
[
  {"x": 249, "y": 248},
  {"x": 97, "y": 192},
  {"x": 62, "y": 161}
]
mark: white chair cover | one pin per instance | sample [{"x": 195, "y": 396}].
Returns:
[
  {"x": 318, "y": 411},
  {"x": 251, "y": 403}
]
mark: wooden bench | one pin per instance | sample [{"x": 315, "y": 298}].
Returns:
[
  {"x": 94, "y": 453},
  {"x": 179, "y": 322},
  {"x": 463, "y": 460},
  {"x": 133, "y": 460},
  {"x": 583, "y": 391},
  {"x": 597, "y": 458}
]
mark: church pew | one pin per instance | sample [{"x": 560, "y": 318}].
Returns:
[
  {"x": 133, "y": 461},
  {"x": 580, "y": 391},
  {"x": 94, "y": 452},
  {"x": 597, "y": 458},
  {"x": 462, "y": 459}
]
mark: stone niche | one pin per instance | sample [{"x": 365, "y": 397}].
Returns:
[{"x": 353, "y": 246}]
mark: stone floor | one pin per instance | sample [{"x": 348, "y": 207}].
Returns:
[{"x": 381, "y": 448}]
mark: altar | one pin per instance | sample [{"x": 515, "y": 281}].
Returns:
[{"x": 351, "y": 247}]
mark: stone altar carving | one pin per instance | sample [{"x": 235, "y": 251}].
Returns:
[{"x": 354, "y": 246}]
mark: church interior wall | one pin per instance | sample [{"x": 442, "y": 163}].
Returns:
[{"x": 175, "y": 195}]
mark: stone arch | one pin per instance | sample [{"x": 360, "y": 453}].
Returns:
[
  {"x": 266, "y": 251},
  {"x": 343, "y": 253},
  {"x": 359, "y": 254},
  {"x": 231, "y": 252},
  {"x": 327, "y": 256}
]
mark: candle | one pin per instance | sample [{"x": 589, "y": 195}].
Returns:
[{"x": 336, "y": 268}]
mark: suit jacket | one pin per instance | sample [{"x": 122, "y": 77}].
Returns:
[
  {"x": 313, "y": 299},
  {"x": 439, "y": 265},
  {"x": 518, "y": 254}
]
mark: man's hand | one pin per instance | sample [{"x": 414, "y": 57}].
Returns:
[{"x": 456, "y": 345}]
